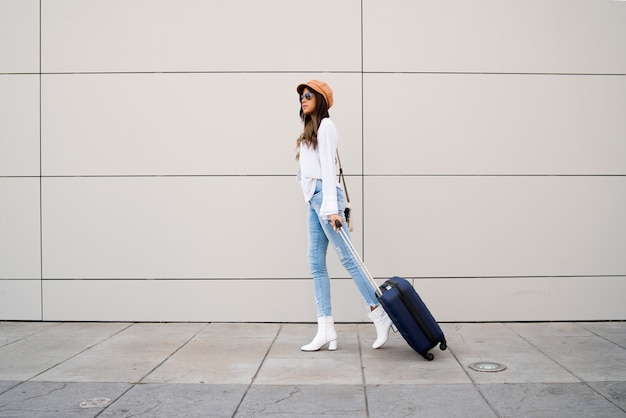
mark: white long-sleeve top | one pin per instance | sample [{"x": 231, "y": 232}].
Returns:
[{"x": 319, "y": 163}]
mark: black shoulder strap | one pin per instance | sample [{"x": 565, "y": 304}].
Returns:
[{"x": 342, "y": 178}]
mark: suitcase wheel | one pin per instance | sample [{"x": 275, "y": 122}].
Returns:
[
  {"x": 443, "y": 345},
  {"x": 428, "y": 356}
]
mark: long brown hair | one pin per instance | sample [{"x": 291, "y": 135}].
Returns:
[{"x": 311, "y": 122}]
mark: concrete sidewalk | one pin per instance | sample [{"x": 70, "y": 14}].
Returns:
[{"x": 257, "y": 370}]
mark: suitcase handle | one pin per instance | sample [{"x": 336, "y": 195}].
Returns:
[{"x": 355, "y": 254}]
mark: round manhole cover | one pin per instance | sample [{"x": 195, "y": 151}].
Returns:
[{"x": 487, "y": 366}]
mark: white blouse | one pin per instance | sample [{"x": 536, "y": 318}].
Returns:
[{"x": 319, "y": 163}]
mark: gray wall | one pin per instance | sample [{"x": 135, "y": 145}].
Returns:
[{"x": 147, "y": 156}]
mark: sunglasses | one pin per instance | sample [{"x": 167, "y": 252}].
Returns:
[{"x": 306, "y": 95}]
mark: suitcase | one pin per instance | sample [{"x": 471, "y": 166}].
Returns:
[
  {"x": 411, "y": 316},
  {"x": 405, "y": 308}
]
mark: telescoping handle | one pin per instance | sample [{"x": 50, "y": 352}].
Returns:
[{"x": 355, "y": 254}]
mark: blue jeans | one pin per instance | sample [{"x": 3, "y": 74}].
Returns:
[{"x": 320, "y": 234}]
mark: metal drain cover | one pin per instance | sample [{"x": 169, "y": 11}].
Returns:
[{"x": 487, "y": 366}]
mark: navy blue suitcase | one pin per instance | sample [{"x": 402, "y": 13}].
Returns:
[
  {"x": 411, "y": 316},
  {"x": 405, "y": 308}
]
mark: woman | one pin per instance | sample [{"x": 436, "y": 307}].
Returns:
[{"x": 316, "y": 150}]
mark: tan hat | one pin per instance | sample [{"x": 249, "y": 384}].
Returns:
[{"x": 320, "y": 87}]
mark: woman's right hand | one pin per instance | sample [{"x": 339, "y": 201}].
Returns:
[{"x": 333, "y": 219}]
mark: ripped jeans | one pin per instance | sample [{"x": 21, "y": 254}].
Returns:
[{"x": 320, "y": 234}]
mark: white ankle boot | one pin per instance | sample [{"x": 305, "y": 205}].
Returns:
[
  {"x": 383, "y": 325},
  {"x": 326, "y": 334}
]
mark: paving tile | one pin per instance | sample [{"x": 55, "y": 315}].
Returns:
[
  {"x": 189, "y": 401},
  {"x": 473, "y": 340},
  {"x": 286, "y": 364},
  {"x": 612, "y": 331},
  {"x": 6, "y": 385},
  {"x": 594, "y": 352},
  {"x": 303, "y": 401},
  {"x": 46, "y": 399},
  {"x": 125, "y": 357},
  {"x": 30, "y": 356},
  {"x": 525, "y": 363},
  {"x": 15, "y": 331},
  {"x": 214, "y": 360},
  {"x": 450, "y": 401},
  {"x": 613, "y": 391},
  {"x": 326, "y": 368},
  {"x": 520, "y": 368},
  {"x": 591, "y": 359},
  {"x": 538, "y": 400},
  {"x": 396, "y": 363}
]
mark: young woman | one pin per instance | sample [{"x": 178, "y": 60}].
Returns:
[{"x": 316, "y": 149}]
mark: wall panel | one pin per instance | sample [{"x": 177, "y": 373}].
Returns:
[
  {"x": 19, "y": 125},
  {"x": 19, "y": 228},
  {"x": 495, "y": 226},
  {"x": 193, "y": 35},
  {"x": 20, "y": 300},
  {"x": 184, "y": 124},
  {"x": 494, "y": 36},
  {"x": 196, "y": 300},
  {"x": 19, "y": 36},
  {"x": 524, "y": 299},
  {"x": 177, "y": 227},
  {"x": 494, "y": 124}
]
